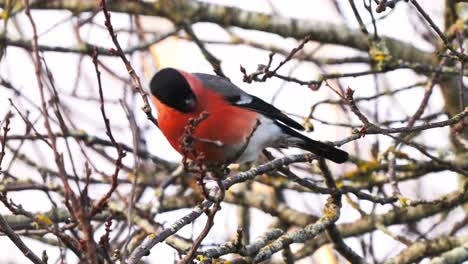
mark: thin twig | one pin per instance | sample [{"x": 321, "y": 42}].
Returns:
[
  {"x": 196, "y": 244},
  {"x": 120, "y": 153},
  {"x": 128, "y": 65}
]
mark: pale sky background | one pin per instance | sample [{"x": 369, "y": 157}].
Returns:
[{"x": 16, "y": 66}]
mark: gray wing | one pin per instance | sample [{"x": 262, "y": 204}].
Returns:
[
  {"x": 225, "y": 87},
  {"x": 238, "y": 97}
]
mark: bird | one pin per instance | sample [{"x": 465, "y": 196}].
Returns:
[{"x": 237, "y": 126}]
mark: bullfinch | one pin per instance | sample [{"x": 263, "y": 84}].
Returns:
[{"x": 238, "y": 125}]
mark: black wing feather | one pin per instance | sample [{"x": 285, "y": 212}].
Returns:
[
  {"x": 268, "y": 110},
  {"x": 319, "y": 148}
]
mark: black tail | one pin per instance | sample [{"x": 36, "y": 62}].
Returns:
[{"x": 316, "y": 147}]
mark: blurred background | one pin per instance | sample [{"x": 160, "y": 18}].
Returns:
[{"x": 59, "y": 161}]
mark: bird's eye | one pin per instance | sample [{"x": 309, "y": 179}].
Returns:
[{"x": 189, "y": 103}]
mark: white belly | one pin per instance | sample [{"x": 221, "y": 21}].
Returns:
[{"x": 266, "y": 135}]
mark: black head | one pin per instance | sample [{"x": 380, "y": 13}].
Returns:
[{"x": 172, "y": 89}]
